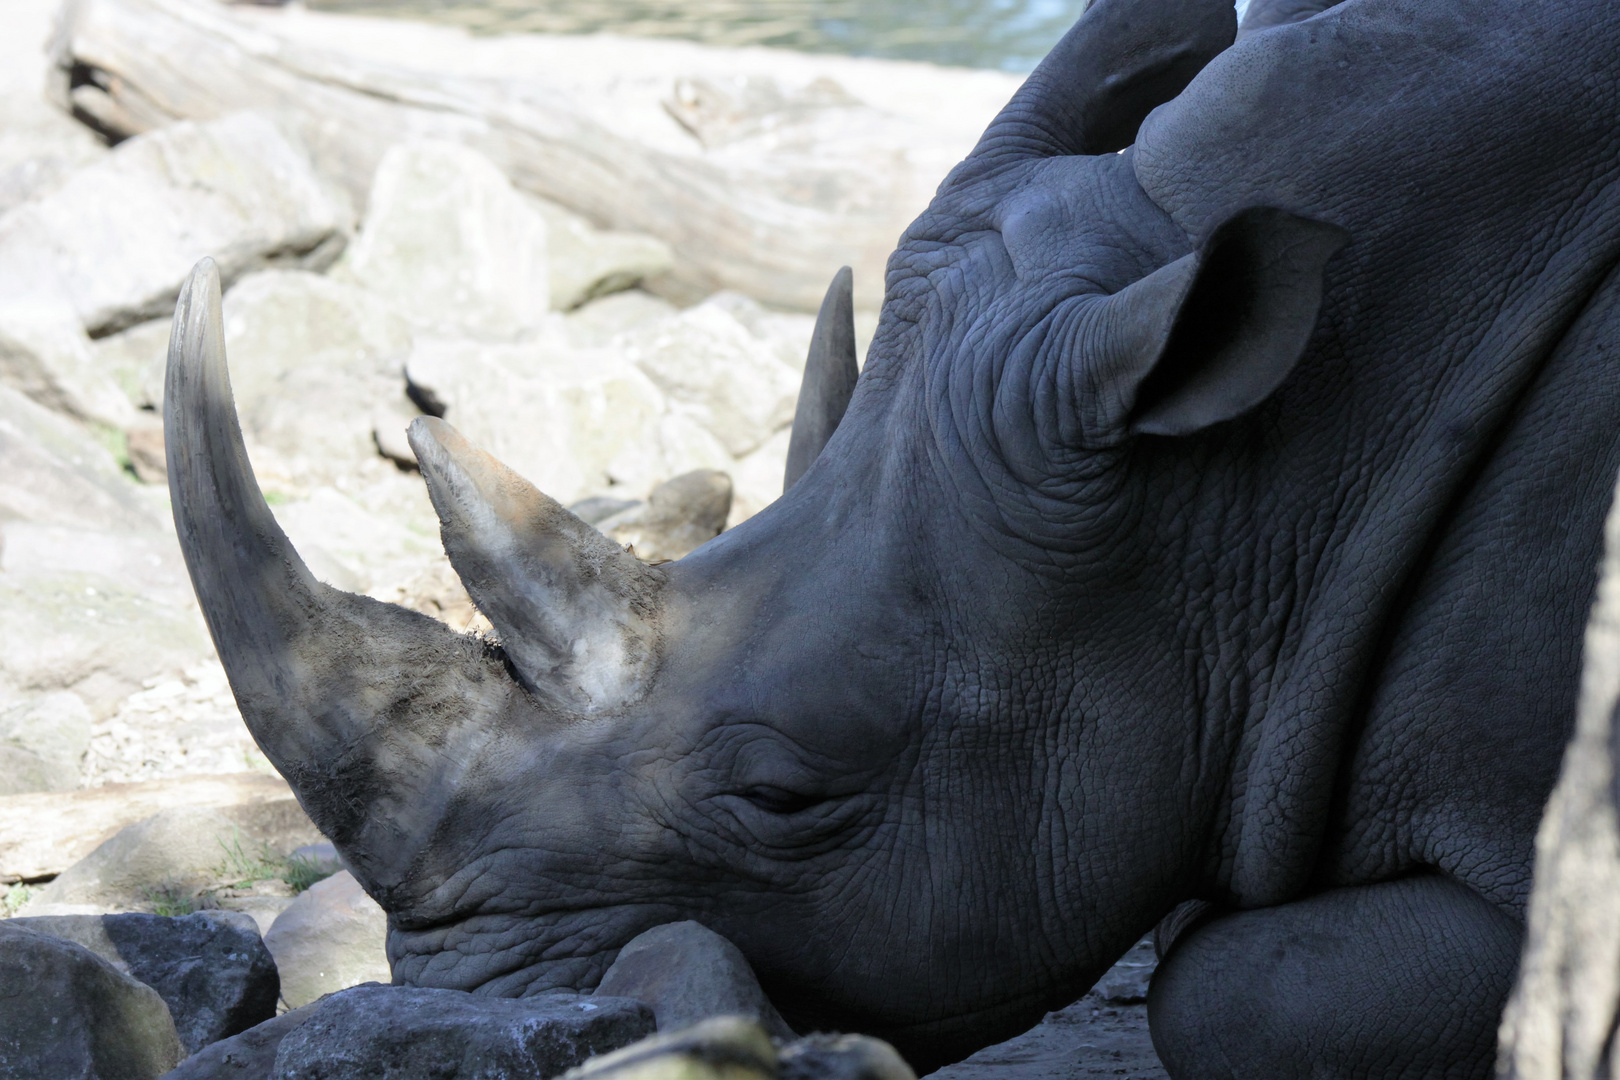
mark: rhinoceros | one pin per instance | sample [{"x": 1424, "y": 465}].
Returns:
[{"x": 1209, "y": 534}]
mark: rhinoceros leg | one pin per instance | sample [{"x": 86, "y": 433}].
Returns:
[{"x": 1404, "y": 979}]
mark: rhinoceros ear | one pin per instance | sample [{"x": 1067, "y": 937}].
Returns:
[
  {"x": 830, "y": 373},
  {"x": 576, "y": 613},
  {"x": 1210, "y": 336}
]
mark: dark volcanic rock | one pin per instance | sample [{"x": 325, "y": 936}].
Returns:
[
  {"x": 686, "y": 973},
  {"x": 210, "y": 968},
  {"x": 248, "y": 1056},
  {"x": 67, "y": 1014},
  {"x": 395, "y": 1033}
]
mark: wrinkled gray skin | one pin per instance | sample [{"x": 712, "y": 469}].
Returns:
[{"x": 1170, "y": 548}]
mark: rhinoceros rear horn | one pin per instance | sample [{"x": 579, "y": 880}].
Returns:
[
  {"x": 1119, "y": 62},
  {"x": 576, "y": 614},
  {"x": 830, "y": 373},
  {"x": 361, "y": 705}
]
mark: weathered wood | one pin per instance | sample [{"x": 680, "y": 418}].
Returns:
[{"x": 764, "y": 170}]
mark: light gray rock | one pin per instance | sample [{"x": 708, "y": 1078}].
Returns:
[
  {"x": 586, "y": 263},
  {"x": 449, "y": 243},
  {"x": 597, "y": 322},
  {"x": 687, "y": 973},
  {"x": 45, "y": 354},
  {"x": 1126, "y": 983},
  {"x": 401, "y": 1033},
  {"x": 65, "y": 1012},
  {"x": 169, "y": 857},
  {"x": 210, "y": 968},
  {"x": 42, "y": 743},
  {"x": 331, "y": 937},
  {"x": 120, "y": 235},
  {"x": 735, "y": 383},
  {"x": 312, "y": 358},
  {"x": 571, "y": 421},
  {"x": 54, "y": 471},
  {"x": 92, "y": 635},
  {"x": 678, "y": 516},
  {"x": 135, "y": 359},
  {"x": 1560, "y": 1022},
  {"x": 40, "y": 146},
  {"x": 322, "y": 858}
]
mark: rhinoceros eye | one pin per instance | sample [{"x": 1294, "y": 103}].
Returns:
[{"x": 779, "y": 800}]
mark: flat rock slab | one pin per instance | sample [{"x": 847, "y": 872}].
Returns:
[
  {"x": 43, "y": 833},
  {"x": 1090, "y": 1038},
  {"x": 395, "y": 1033}
]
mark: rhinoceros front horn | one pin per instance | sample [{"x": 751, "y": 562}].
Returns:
[
  {"x": 369, "y": 710},
  {"x": 576, "y": 613}
]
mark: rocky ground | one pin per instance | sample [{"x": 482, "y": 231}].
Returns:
[{"x": 580, "y": 355}]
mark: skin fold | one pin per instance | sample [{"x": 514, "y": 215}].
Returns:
[{"x": 1215, "y": 518}]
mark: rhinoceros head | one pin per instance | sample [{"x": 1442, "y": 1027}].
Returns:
[{"x": 914, "y": 738}]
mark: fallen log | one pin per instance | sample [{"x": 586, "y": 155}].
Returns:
[{"x": 764, "y": 170}]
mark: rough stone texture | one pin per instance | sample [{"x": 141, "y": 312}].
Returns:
[
  {"x": 812, "y": 183},
  {"x": 449, "y": 243},
  {"x": 1089, "y": 1039},
  {"x": 599, "y": 321},
  {"x": 135, "y": 358},
  {"x": 685, "y": 973},
  {"x": 120, "y": 235},
  {"x": 45, "y": 354},
  {"x": 331, "y": 937},
  {"x": 841, "y": 1057},
  {"x": 384, "y": 1032},
  {"x": 248, "y": 1056},
  {"x": 734, "y": 382},
  {"x": 53, "y": 471},
  {"x": 175, "y": 853},
  {"x": 1560, "y": 1023},
  {"x": 184, "y": 725},
  {"x": 67, "y": 1014},
  {"x": 311, "y": 359},
  {"x": 1126, "y": 983},
  {"x": 719, "y": 1048},
  {"x": 43, "y": 834},
  {"x": 587, "y": 263},
  {"x": 570, "y": 421},
  {"x": 42, "y": 743},
  {"x": 210, "y": 968},
  {"x": 679, "y": 515}
]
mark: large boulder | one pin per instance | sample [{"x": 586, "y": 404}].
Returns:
[
  {"x": 162, "y": 862},
  {"x": 52, "y": 470},
  {"x": 45, "y": 354},
  {"x": 65, "y": 1012},
  {"x": 586, "y": 263},
  {"x": 571, "y": 421},
  {"x": 1563, "y": 1019},
  {"x": 120, "y": 235},
  {"x": 41, "y": 835},
  {"x": 331, "y": 937},
  {"x": 210, "y": 968},
  {"x": 687, "y": 973},
  {"x": 451, "y": 245},
  {"x": 43, "y": 742},
  {"x": 738, "y": 384},
  {"x": 400, "y": 1033}
]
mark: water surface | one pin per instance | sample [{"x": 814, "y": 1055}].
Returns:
[{"x": 1011, "y": 35}]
